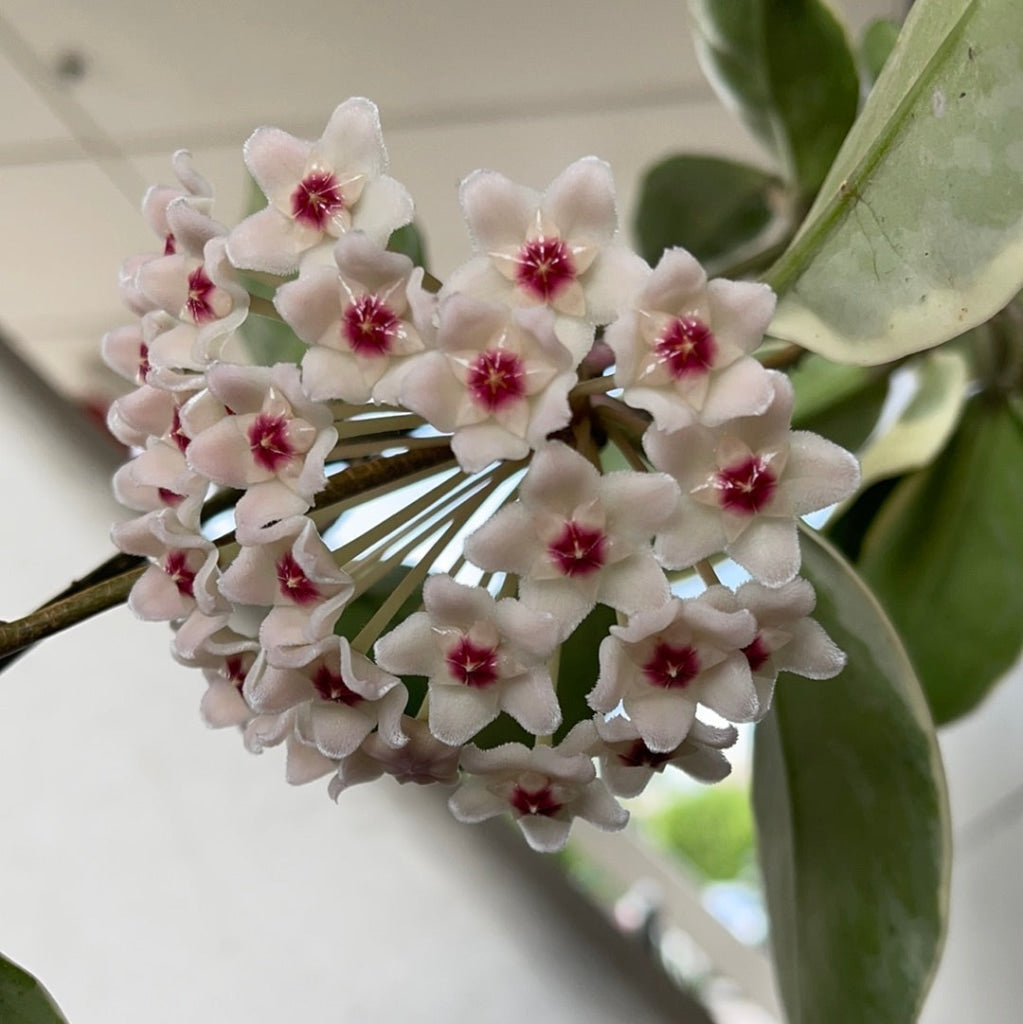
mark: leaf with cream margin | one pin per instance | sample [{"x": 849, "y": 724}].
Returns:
[
  {"x": 917, "y": 233},
  {"x": 852, "y": 818},
  {"x": 23, "y": 1000},
  {"x": 712, "y": 207},
  {"x": 923, "y": 428},
  {"x": 785, "y": 67}
]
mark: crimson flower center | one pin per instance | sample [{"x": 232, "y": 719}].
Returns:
[
  {"x": 578, "y": 550},
  {"x": 144, "y": 366},
  {"x": 472, "y": 664},
  {"x": 687, "y": 347},
  {"x": 294, "y": 583},
  {"x": 170, "y": 245},
  {"x": 540, "y": 801},
  {"x": 330, "y": 686},
  {"x": 268, "y": 441},
  {"x": 169, "y": 497},
  {"x": 746, "y": 487},
  {"x": 545, "y": 267},
  {"x": 757, "y": 653},
  {"x": 199, "y": 303},
  {"x": 177, "y": 432},
  {"x": 176, "y": 567},
  {"x": 672, "y": 666},
  {"x": 496, "y": 378},
  {"x": 369, "y": 326},
  {"x": 639, "y": 755},
  {"x": 236, "y": 668},
  {"x": 316, "y": 199}
]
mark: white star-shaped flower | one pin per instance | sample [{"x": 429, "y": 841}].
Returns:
[
  {"x": 292, "y": 574},
  {"x": 316, "y": 191},
  {"x": 667, "y": 661},
  {"x": 557, "y": 248},
  {"x": 497, "y": 379},
  {"x": 360, "y": 318},
  {"x": 481, "y": 657},
  {"x": 182, "y": 562},
  {"x": 576, "y": 537},
  {"x": 787, "y": 639},
  {"x": 341, "y": 696},
  {"x": 627, "y": 764},
  {"x": 271, "y": 441},
  {"x": 744, "y": 484},
  {"x": 543, "y": 788},
  {"x": 423, "y": 760},
  {"x": 682, "y": 350}
]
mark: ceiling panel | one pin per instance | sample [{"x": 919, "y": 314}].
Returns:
[
  {"x": 155, "y": 69},
  {"x": 25, "y": 119},
  {"x": 62, "y": 224}
]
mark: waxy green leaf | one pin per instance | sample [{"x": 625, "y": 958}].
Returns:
[
  {"x": 23, "y": 1000},
  {"x": 270, "y": 341},
  {"x": 785, "y": 67},
  {"x": 917, "y": 234},
  {"x": 841, "y": 403},
  {"x": 710, "y": 206},
  {"x": 944, "y": 556},
  {"x": 852, "y": 819},
  {"x": 579, "y": 666},
  {"x": 410, "y": 242},
  {"x": 876, "y": 45}
]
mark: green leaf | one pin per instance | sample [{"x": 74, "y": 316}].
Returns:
[
  {"x": 270, "y": 341},
  {"x": 944, "y": 557},
  {"x": 923, "y": 428},
  {"x": 578, "y": 667},
  {"x": 842, "y": 403},
  {"x": 358, "y": 613},
  {"x": 849, "y": 526},
  {"x": 409, "y": 241},
  {"x": 786, "y": 69},
  {"x": 917, "y": 234},
  {"x": 23, "y": 1000},
  {"x": 852, "y": 818},
  {"x": 876, "y": 45},
  {"x": 710, "y": 206}
]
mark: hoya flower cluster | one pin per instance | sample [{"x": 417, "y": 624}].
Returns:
[{"x": 438, "y": 639}]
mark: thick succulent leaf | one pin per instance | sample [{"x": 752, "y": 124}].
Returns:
[
  {"x": 23, "y": 1000},
  {"x": 786, "y": 69},
  {"x": 359, "y": 612},
  {"x": 876, "y": 45},
  {"x": 710, "y": 206},
  {"x": 410, "y": 242},
  {"x": 847, "y": 528},
  {"x": 841, "y": 403},
  {"x": 579, "y": 666},
  {"x": 852, "y": 818},
  {"x": 923, "y": 428},
  {"x": 944, "y": 556},
  {"x": 269, "y": 341},
  {"x": 917, "y": 234}
]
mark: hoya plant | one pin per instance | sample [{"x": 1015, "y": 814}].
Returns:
[{"x": 536, "y": 533}]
